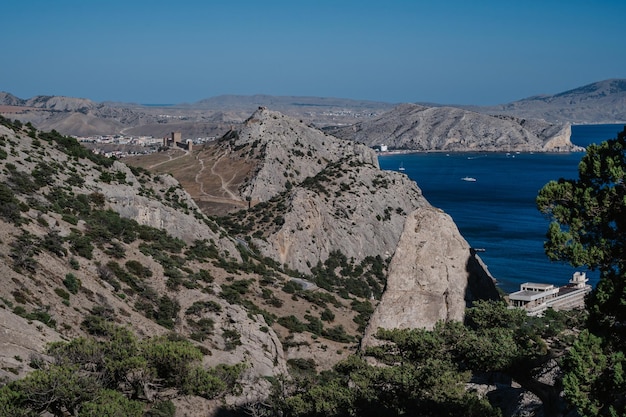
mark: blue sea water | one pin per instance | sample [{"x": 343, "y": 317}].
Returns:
[{"x": 497, "y": 212}]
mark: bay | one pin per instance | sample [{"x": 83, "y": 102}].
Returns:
[{"x": 497, "y": 212}]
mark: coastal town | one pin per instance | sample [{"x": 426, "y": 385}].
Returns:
[{"x": 121, "y": 146}]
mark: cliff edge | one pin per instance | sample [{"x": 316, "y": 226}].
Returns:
[{"x": 434, "y": 275}]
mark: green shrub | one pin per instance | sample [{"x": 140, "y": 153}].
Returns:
[
  {"x": 327, "y": 315},
  {"x": 199, "y": 307},
  {"x": 62, "y": 293},
  {"x": 9, "y": 206},
  {"x": 338, "y": 334},
  {"x": 71, "y": 283},
  {"x": 314, "y": 324},
  {"x": 40, "y": 315},
  {"x": 174, "y": 278},
  {"x": 233, "y": 292},
  {"x": 135, "y": 267},
  {"x": 167, "y": 312},
  {"x": 161, "y": 409},
  {"x": 291, "y": 287},
  {"x": 201, "y": 329},
  {"x": 109, "y": 403},
  {"x": 365, "y": 310},
  {"x": 301, "y": 365},
  {"x": 23, "y": 249},
  {"x": 80, "y": 245},
  {"x": 104, "y": 225},
  {"x": 232, "y": 339},
  {"x": 292, "y": 323},
  {"x": 53, "y": 243},
  {"x": 74, "y": 264},
  {"x": 171, "y": 359}
]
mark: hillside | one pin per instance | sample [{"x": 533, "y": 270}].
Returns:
[
  {"x": 599, "y": 102},
  {"x": 88, "y": 243},
  {"x": 414, "y": 127}
]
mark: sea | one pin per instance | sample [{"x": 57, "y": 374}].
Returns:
[{"x": 497, "y": 211}]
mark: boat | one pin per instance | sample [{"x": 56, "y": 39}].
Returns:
[
  {"x": 401, "y": 167},
  {"x": 469, "y": 179}
]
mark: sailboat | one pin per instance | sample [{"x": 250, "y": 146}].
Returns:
[{"x": 401, "y": 167}]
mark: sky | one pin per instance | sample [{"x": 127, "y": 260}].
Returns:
[{"x": 437, "y": 51}]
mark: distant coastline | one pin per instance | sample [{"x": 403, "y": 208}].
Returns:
[{"x": 577, "y": 149}]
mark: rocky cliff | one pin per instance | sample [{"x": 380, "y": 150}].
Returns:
[
  {"x": 414, "y": 127},
  {"x": 433, "y": 276}
]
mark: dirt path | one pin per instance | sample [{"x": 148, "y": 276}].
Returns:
[
  {"x": 169, "y": 155},
  {"x": 231, "y": 199},
  {"x": 225, "y": 184}
]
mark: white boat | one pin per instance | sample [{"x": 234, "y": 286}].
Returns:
[
  {"x": 401, "y": 167},
  {"x": 469, "y": 179}
]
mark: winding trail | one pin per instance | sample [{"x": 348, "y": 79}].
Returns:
[
  {"x": 169, "y": 160},
  {"x": 231, "y": 197},
  {"x": 225, "y": 184}
]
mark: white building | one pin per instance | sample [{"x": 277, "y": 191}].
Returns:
[{"x": 536, "y": 298}]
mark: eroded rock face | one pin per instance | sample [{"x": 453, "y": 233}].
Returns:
[
  {"x": 560, "y": 140},
  {"x": 362, "y": 214},
  {"x": 433, "y": 276},
  {"x": 410, "y": 126}
]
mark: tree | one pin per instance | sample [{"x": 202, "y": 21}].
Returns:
[
  {"x": 589, "y": 228},
  {"x": 589, "y": 370}
]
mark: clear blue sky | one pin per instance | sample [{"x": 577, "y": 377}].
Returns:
[{"x": 449, "y": 52}]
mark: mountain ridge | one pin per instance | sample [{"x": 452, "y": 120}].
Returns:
[
  {"x": 600, "y": 102},
  {"x": 594, "y": 103}
]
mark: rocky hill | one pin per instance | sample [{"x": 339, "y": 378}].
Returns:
[
  {"x": 415, "y": 127},
  {"x": 69, "y": 115},
  {"x": 600, "y": 102},
  {"x": 308, "y": 233}
]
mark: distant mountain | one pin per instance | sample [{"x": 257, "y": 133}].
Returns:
[
  {"x": 414, "y": 127},
  {"x": 289, "y": 103},
  {"x": 58, "y": 103},
  {"x": 209, "y": 117},
  {"x": 73, "y": 116},
  {"x": 318, "y": 111},
  {"x": 600, "y": 102}
]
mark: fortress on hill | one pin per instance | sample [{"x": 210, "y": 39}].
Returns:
[{"x": 175, "y": 140}]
